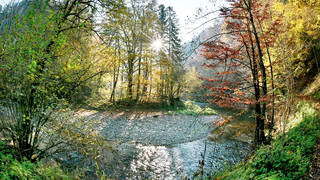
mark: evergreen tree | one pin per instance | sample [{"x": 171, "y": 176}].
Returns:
[{"x": 171, "y": 56}]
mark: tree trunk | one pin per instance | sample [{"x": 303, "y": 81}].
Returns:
[
  {"x": 263, "y": 72},
  {"x": 139, "y": 74},
  {"x": 259, "y": 137},
  {"x": 144, "y": 88},
  {"x": 271, "y": 123},
  {"x": 130, "y": 78},
  {"x": 115, "y": 79},
  {"x": 150, "y": 76}
]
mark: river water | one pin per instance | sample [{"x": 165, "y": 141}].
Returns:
[
  {"x": 179, "y": 161},
  {"x": 158, "y": 146}
]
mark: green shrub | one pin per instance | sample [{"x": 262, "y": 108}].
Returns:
[
  {"x": 189, "y": 108},
  {"x": 288, "y": 157},
  {"x": 11, "y": 168},
  {"x": 317, "y": 95}
]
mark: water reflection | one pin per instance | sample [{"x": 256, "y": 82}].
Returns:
[
  {"x": 166, "y": 147},
  {"x": 152, "y": 161},
  {"x": 181, "y": 160}
]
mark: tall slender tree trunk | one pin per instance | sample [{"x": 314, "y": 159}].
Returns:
[
  {"x": 263, "y": 72},
  {"x": 146, "y": 76},
  {"x": 116, "y": 72},
  {"x": 166, "y": 82},
  {"x": 115, "y": 82},
  {"x": 259, "y": 132},
  {"x": 150, "y": 77},
  {"x": 139, "y": 74},
  {"x": 161, "y": 88},
  {"x": 130, "y": 77},
  {"x": 271, "y": 123},
  {"x": 121, "y": 90}
]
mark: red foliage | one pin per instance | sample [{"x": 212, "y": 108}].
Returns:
[{"x": 229, "y": 56}]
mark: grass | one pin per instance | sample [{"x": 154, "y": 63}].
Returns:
[
  {"x": 11, "y": 168},
  {"x": 190, "y": 108},
  {"x": 179, "y": 107},
  {"x": 288, "y": 156}
]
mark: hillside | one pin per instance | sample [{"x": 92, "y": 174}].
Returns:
[{"x": 294, "y": 153}]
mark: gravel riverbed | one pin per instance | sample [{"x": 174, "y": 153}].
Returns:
[
  {"x": 160, "y": 146},
  {"x": 153, "y": 128}
]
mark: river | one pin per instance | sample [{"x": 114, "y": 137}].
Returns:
[{"x": 153, "y": 145}]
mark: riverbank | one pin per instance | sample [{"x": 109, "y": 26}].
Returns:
[
  {"x": 161, "y": 144},
  {"x": 149, "y": 143},
  {"x": 291, "y": 155}
]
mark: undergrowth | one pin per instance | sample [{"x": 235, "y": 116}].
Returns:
[
  {"x": 190, "y": 108},
  {"x": 11, "y": 168},
  {"x": 179, "y": 107},
  {"x": 288, "y": 156}
]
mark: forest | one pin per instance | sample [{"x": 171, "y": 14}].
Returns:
[{"x": 111, "y": 89}]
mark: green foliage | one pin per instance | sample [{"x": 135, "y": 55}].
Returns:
[
  {"x": 44, "y": 66},
  {"x": 288, "y": 157},
  {"x": 11, "y": 168},
  {"x": 189, "y": 108},
  {"x": 317, "y": 95}
]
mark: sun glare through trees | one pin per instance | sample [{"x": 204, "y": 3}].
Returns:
[{"x": 157, "y": 44}]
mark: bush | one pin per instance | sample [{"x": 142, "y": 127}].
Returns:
[
  {"x": 288, "y": 157},
  {"x": 190, "y": 108},
  {"x": 11, "y": 168}
]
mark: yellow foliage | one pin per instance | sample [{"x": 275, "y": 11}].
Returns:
[{"x": 300, "y": 34}]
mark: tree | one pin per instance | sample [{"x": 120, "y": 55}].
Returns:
[
  {"x": 299, "y": 39},
  {"x": 293, "y": 50},
  {"x": 235, "y": 51},
  {"x": 140, "y": 70},
  {"x": 170, "y": 56},
  {"x": 132, "y": 31},
  {"x": 175, "y": 55},
  {"x": 32, "y": 88}
]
